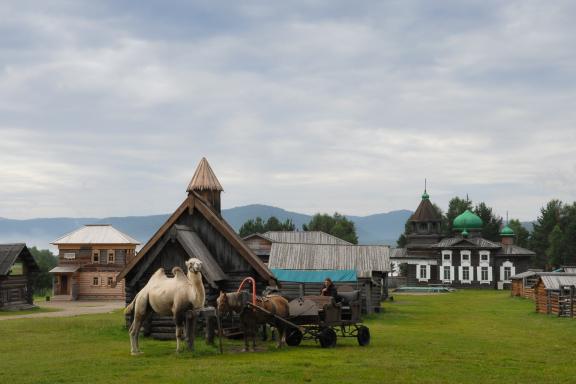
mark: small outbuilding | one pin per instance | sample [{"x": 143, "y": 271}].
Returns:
[
  {"x": 301, "y": 269},
  {"x": 523, "y": 283},
  {"x": 555, "y": 293},
  {"x": 18, "y": 270}
]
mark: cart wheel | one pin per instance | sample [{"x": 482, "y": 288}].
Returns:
[
  {"x": 293, "y": 337},
  {"x": 327, "y": 338},
  {"x": 363, "y": 336}
]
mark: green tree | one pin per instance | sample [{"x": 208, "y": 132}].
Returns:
[
  {"x": 492, "y": 223},
  {"x": 521, "y": 233},
  {"x": 336, "y": 225},
  {"x": 258, "y": 225},
  {"x": 46, "y": 261},
  {"x": 554, "y": 250},
  {"x": 543, "y": 227}
]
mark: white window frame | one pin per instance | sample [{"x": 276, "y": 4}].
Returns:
[
  {"x": 468, "y": 254},
  {"x": 449, "y": 260},
  {"x": 97, "y": 280},
  {"x": 470, "y": 274},
  {"x": 484, "y": 263},
  {"x": 479, "y": 274},
  {"x": 507, "y": 264},
  {"x": 419, "y": 272},
  {"x": 69, "y": 255}
]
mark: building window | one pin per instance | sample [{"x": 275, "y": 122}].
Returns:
[
  {"x": 465, "y": 273},
  {"x": 484, "y": 274},
  {"x": 110, "y": 281},
  {"x": 484, "y": 257},
  {"x": 446, "y": 256},
  {"x": 17, "y": 269},
  {"x": 111, "y": 257},
  {"x": 446, "y": 273},
  {"x": 465, "y": 256},
  {"x": 507, "y": 273},
  {"x": 423, "y": 272},
  {"x": 95, "y": 281},
  {"x": 96, "y": 257},
  {"x": 69, "y": 256}
]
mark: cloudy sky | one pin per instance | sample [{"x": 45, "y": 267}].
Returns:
[{"x": 106, "y": 107}]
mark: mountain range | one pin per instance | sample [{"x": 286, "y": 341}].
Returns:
[{"x": 380, "y": 228}]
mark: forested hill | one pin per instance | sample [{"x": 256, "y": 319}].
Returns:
[{"x": 381, "y": 228}]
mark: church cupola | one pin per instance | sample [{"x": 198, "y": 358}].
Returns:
[
  {"x": 507, "y": 235},
  {"x": 424, "y": 226},
  {"x": 205, "y": 184},
  {"x": 468, "y": 221}
]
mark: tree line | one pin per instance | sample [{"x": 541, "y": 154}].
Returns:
[
  {"x": 336, "y": 225},
  {"x": 552, "y": 237}
]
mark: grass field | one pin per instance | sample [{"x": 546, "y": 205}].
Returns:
[
  {"x": 463, "y": 337},
  {"x": 28, "y": 311}
]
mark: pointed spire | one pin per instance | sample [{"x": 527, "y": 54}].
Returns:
[
  {"x": 204, "y": 179},
  {"x": 425, "y": 195}
]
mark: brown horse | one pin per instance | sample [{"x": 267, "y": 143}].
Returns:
[{"x": 250, "y": 318}]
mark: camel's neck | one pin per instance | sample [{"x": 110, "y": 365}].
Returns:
[{"x": 198, "y": 288}]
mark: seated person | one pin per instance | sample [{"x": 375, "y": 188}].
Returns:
[{"x": 330, "y": 290}]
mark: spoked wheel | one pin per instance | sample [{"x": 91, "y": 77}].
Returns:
[
  {"x": 363, "y": 336},
  {"x": 294, "y": 337},
  {"x": 327, "y": 338}
]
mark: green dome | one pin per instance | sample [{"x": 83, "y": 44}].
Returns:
[
  {"x": 467, "y": 220},
  {"x": 465, "y": 233},
  {"x": 506, "y": 231}
]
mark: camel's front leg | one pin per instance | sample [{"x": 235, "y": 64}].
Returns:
[
  {"x": 179, "y": 336},
  {"x": 134, "y": 333}
]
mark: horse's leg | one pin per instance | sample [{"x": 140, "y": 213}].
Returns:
[{"x": 253, "y": 334}]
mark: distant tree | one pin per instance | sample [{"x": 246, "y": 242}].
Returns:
[
  {"x": 46, "y": 261},
  {"x": 554, "y": 250},
  {"x": 543, "y": 227},
  {"x": 336, "y": 225},
  {"x": 521, "y": 233},
  {"x": 258, "y": 225},
  {"x": 492, "y": 223},
  {"x": 568, "y": 221}
]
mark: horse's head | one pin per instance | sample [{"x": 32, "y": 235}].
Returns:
[
  {"x": 194, "y": 265},
  {"x": 222, "y": 303}
]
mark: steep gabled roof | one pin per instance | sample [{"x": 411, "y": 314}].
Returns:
[
  {"x": 10, "y": 252},
  {"x": 204, "y": 178},
  {"x": 195, "y": 202},
  {"x": 425, "y": 212},
  {"x": 96, "y": 234}
]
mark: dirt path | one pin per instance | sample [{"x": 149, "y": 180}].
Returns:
[{"x": 70, "y": 308}]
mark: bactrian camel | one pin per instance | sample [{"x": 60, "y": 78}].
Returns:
[{"x": 168, "y": 296}]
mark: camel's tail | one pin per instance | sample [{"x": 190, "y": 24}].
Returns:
[{"x": 130, "y": 308}]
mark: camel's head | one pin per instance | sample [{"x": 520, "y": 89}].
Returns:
[{"x": 194, "y": 265}]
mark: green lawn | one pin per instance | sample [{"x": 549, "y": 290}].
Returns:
[
  {"x": 463, "y": 337},
  {"x": 28, "y": 311}
]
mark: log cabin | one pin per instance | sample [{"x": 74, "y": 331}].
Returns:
[
  {"x": 555, "y": 294},
  {"x": 523, "y": 283},
  {"x": 89, "y": 259},
  {"x": 18, "y": 271},
  {"x": 195, "y": 229}
]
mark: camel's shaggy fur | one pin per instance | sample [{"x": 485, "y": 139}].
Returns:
[{"x": 168, "y": 296}]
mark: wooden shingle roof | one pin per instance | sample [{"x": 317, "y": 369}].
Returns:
[
  {"x": 204, "y": 178},
  {"x": 10, "y": 252},
  {"x": 304, "y": 237},
  {"x": 96, "y": 234},
  {"x": 425, "y": 212},
  {"x": 362, "y": 258}
]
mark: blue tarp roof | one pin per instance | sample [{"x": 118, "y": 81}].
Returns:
[{"x": 314, "y": 276}]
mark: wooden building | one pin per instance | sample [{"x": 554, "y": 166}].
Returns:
[
  {"x": 261, "y": 243},
  {"x": 371, "y": 264},
  {"x": 196, "y": 229},
  {"x": 18, "y": 270},
  {"x": 89, "y": 259},
  {"x": 555, "y": 293},
  {"x": 464, "y": 260},
  {"x": 523, "y": 283}
]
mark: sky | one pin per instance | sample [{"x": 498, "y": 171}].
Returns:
[{"x": 106, "y": 107}]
